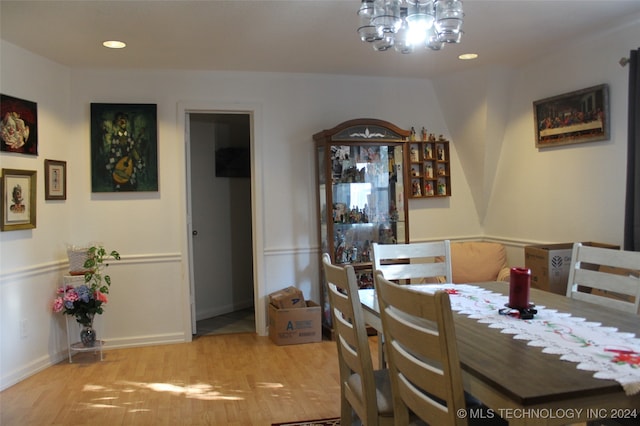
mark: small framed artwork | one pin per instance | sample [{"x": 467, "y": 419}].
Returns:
[
  {"x": 18, "y": 210},
  {"x": 18, "y": 125},
  {"x": 124, "y": 147},
  {"x": 55, "y": 180},
  {"x": 574, "y": 117}
]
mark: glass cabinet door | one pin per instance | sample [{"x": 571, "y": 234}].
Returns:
[{"x": 367, "y": 200}]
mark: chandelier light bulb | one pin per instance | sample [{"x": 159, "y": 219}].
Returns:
[
  {"x": 409, "y": 24},
  {"x": 416, "y": 35},
  {"x": 420, "y": 16},
  {"x": 403, "y": 41}
]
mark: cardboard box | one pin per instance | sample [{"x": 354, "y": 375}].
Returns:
[
  {"x": 612, "y": 294},
  {"x": 550, "y": 263},
  {"x": 295, "y": 326},
  {"x": 290, "y": 297}
]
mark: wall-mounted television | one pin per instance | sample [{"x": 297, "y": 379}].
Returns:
[{"x": 233, "y": 162}]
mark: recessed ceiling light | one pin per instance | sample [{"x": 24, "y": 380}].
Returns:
[
  {"x": 114, "y": 44},
  {"x": 468, "y": 56}
]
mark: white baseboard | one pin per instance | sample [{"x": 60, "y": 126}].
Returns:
[
  {"x": 47, "y": 361},
  {"x": 139, "y": 341},
  {"x": 40, "y": 364}
]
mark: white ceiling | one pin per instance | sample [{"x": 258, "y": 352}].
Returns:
[{"x": 309, "y": 36}]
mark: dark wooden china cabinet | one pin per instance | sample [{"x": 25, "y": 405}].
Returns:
[{"x": 361, "y": 193}]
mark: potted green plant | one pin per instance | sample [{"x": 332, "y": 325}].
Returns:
[
  {"x": 95, "y": 264},
  {"x": 86, "y": 300}
]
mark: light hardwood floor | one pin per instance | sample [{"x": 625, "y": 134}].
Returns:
[
  {"x": 234, "y": 379},
  {"x": 229, "y": 379}
]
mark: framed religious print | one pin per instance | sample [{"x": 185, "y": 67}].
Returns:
[
  {"x": 18, "y": 210},
  {"x": 55, "y": 180},
  {"x": 124, "y": 147},
  {"x": 19, "y": 125},
  {"x": 575, "y": 117}
]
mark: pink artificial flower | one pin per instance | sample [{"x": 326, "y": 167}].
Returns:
[
  {"x": 71, "y": 295},
  {"x": 101, "y": 297},
  {"x": 63, "y": 289},
  {"x": 58, "y": 304}
]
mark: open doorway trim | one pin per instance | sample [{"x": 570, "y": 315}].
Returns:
[{"x": 255, "y": 112}]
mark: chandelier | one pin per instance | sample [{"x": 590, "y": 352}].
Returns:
[{"x": 409, "y": 24}]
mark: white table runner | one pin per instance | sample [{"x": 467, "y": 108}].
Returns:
[{"x": 611, "y": 354}]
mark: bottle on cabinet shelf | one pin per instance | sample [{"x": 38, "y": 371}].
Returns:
[
  {"x": 413, "y": 152},
  {"x": 415, "y": 189},
  {"x": 442, "y": 188},
  {"x": 428, "y": 190}
]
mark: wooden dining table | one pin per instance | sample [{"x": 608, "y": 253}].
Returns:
[{"x": 522, "y": 384}]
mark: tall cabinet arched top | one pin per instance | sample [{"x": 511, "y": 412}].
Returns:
[{"x": 361, "y": 181}]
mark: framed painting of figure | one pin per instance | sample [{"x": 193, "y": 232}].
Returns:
[
  {"x": 18, "y": 210},
  {"x": 18, "y": 125},
  {"x": 124, "y": 147}
]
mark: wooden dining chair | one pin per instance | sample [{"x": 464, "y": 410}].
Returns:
[
  {"x": 605, "y": 276},
  {"x": 422, "y": 354},
  {"x": 363, "y": 390},
  {"x": 414, "y": 263}
]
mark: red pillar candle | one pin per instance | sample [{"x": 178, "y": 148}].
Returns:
[{"x": 519, "y": 283}]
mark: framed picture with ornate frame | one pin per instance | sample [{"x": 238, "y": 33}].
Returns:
[
  {"x": 124, "y": 147},
  {"x": 574, "y": 117},
  {"x": 55, "y": 180},
  {"x": 18, "y": 210}
]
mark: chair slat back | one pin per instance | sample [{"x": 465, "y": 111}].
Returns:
[
  {"x": 352, "y": 340},
  {"x": 605, "y": 276},
  {"x": 413, "y": 262},
  {"x": 422, "y": 353}
]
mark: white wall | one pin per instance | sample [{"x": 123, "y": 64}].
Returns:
[
  {"x": 551, "y": 195},
  {"x": 562, "y": 194},
  {"x": 30, "y": 260},
  {"x": 149, "y": 298},
  {"x": 574, "y": 192}
]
